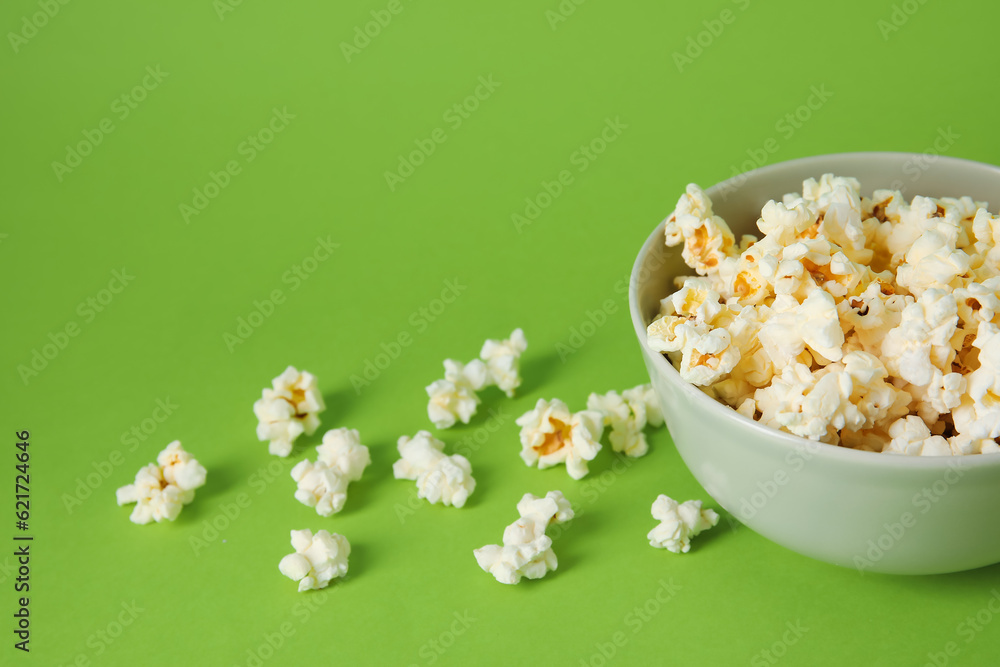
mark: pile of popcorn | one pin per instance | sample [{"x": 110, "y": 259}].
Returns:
[
  {"x": 527, "y": 550},
  {"x": 869, "y": 323},
  {"x": 163, "y": 488}
]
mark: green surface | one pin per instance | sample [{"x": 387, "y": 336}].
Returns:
[{"x": 322, "y": 176}]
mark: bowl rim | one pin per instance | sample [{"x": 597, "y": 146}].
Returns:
[{"x": 789, "y": 441}]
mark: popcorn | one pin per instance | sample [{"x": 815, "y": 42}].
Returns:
[
  {"x": 921, "y": 342},
  {"x": 709, "y": 357},
  {"x": 978, "y": 415},
  {"x": 318, "y": 559},
  {"x": 288, "y": 410},
  {"x": 849, "y": 316},
  {"x": 440, "y": 478},
  {"x": 162, "y": 489},
  {"x": 814, "y": 324},
  {"x": 503, "y": 359},
  {"x": 323, "y": 484},
  {"x": 911, "y": 437},
  {"x": 454, "y": 398},
  {"x": 679, "y": 523},
  {"x": 551, "y": 434},
  {"x": 627, "y": 415},
  {"x": 706, "y": 237},
  {"x": 526, "y": 550}
]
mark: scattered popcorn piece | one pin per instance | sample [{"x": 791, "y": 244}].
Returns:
[
  {"x": 323, "y": 484},
  {"x": 161, "y": 489},
  {"x": 440, "y": 478},
  {"x": 526, "y": 550},
  {"x": 287, "y": 410},
  {"x": 318, "y": 559},
  {"x": 551, "y": 434},
  {"x": 627, "y": 414},
  {"x": 679, "y": 523},
  {"x": 869, "y": 323},
  {"x": 503, "y": 361},
  {"x": 454, "y": 398},
  {"x": 342, "y": 449}
]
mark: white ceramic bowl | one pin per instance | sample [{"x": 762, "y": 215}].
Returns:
[{"x": 874, "y": 512}]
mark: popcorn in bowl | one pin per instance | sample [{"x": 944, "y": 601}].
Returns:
[{"x": 869, "y": 323}]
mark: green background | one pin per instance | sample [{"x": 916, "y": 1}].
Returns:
[{"x": 323, "y": 176}]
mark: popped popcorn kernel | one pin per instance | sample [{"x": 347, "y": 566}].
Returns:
[
  {"x": 852, "y": 320},
  {"x": 679, "y": 523},
  {"x": 503, "y": 361},
  {"x": 454, "y": 398},
  {"x": 161, "y": 489},
  {"x": 440, "y": 478},
  {"x": 526, "y": 551},
  {"x": 318, "y": 559},
  {"x": 911, "y": 437},
  {"x": 323, "y": 485},
  {"x": 628, "y": 414},
  {"x": 551, "y": 434},
  {"x": 287, "y": 410}
]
